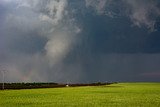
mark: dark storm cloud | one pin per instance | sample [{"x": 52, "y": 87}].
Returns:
[
  {"x": 80, "y": 41},
  {"x": 141, "y": 12},
  {"x": 124, "y": 67}
]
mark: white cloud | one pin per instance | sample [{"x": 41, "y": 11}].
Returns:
[{"x": 56, "y": 10}]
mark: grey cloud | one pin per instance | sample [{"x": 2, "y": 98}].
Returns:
[
  {"x": 99, "y": 5},
  {"x": 28, "y": 21},
  {"x": 124, "y": 67},
  {"x": 141, "y": 12},
  {"x": 62, "y": 40}
]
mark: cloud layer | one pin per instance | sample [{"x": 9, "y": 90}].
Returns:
[
  {"x": 47, "y": 22},
  {"x": 141, "y": 12},
  {"x": 79, "y": 41}
]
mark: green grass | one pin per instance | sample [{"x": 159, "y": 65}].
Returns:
[{"x": 116, "y": 95}]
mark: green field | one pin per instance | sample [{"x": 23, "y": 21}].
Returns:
[{"x": 121, "y": 95}]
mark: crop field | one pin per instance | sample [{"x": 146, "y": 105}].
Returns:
[{"x": 115, "y": 95}]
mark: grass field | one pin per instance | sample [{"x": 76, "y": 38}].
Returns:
[{"x": 121, "y": 95}]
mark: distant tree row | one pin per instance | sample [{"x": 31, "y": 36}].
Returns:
[{"x": 46, "y": 85}]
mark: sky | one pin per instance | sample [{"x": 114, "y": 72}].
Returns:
[{"x": 80, "y": 40}]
